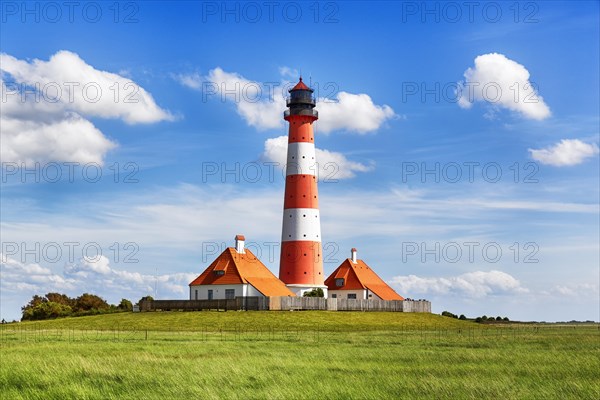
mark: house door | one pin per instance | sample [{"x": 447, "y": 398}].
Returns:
[{"x": 210, "y": 294}]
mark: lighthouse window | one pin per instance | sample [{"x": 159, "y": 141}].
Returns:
[{"x": 339, "y": 282}]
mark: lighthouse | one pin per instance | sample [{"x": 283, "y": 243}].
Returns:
[{"x": 301, "y": 261}]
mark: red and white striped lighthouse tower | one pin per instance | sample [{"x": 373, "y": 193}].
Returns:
[{"x": 301, "y": 262}]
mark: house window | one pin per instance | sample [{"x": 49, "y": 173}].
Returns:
[
  {"x": 339, "y": 282},
  {"x": 230, "y": 293},
  {"x": 334, "y": 296},
  {"x": 352, "y": 295},
  {"x": 219, "y": 272},
  {"x": 196, "y": 294},
  {"x": 210, "y": 294}
]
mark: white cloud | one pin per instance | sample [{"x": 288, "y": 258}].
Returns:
[
  {"x": 17, "y": 276},
  {"x": 476, "y": 284},
  {"x": 254, "y": 104},
  {"x": 262, "y": 107},
  {"x": 565, "y": 153},
  {"x": 352, "y": 112},
  {"x": 504, "y": 83},
  {"x": 581, "y": 290},
  {"x": 288, "y": 72},
  {"x": 46, "y": 104},
  {"x": 193, "y": 80},
  {"x": 97, "y": 274},
  {"x": 332, "y": 165},
  {"x": 69, "y": 138},
  {"x": 89, "y": 275},
  {"x": 107, "y": 95}
]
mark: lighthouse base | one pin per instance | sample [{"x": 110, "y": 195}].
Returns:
[{"x": 299, "y": 289}]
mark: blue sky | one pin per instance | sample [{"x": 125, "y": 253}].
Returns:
[{"x": 393, "y": 81}]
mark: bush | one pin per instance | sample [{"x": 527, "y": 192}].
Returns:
[
  {"x": 506, "y": 319},
  {"x": 87, "y": 302},
  {"x": 147, "y": 298},
  {"x": 318, "y": 292},
  {"x": 47, "y": 310},
  {"x": 449, "y": 314},
  {"x": 462, "y": 317},
  {"x": 57, "y": 305},
  {"x": 125, "y": 305}
]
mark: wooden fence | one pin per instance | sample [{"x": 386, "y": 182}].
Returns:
[
  {"x": 238, "y": 303},
  {"x": 287, "y": 304}
]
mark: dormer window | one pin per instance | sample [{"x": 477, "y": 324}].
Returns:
[
  {"x": 339, "y": 282},
  {"x": 219, "y": 272}
]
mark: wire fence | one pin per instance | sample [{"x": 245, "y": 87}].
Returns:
[{"x": 16, "y": 333}]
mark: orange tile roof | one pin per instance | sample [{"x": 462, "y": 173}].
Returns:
[
  {"x": 242, "y": 268},
  {"x": 360, "y": 276}
]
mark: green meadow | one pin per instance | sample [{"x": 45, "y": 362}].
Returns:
[{"x": 295, "y": 355}]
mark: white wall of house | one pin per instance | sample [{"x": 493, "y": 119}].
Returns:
[
  {"x": 200, "y": 292},
  {"x": 299, "y": 289},
  {"x": 343, "y": 294}
]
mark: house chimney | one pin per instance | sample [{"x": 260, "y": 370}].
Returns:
[
  {"x": 353, "y": 252},
  {"x": 239, "y": 244}
]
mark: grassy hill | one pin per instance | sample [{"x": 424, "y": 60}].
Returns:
[
  {"x": 294, "y": 355},
  {"x": 307, "y": 320}
]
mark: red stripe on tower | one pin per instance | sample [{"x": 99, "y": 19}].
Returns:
[{"x": 301, "y": 262}]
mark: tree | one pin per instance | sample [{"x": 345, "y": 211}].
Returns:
[
  {"x": 87, "y": 302},
  {"x": 449, "y": 314},
  {"x": 47, "y": 310},
  {"x": 60, "y": 299},
  {"x": 462, "y": 317},
  {"x": 317, "y": 292},
  {"x": 146, "y": 298},
  {"x": 125, "y": 305}
]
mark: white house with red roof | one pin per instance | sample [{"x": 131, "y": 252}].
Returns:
[
  {"x": 236, "y": 273},
  {"x": 354, "y": 279}
]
